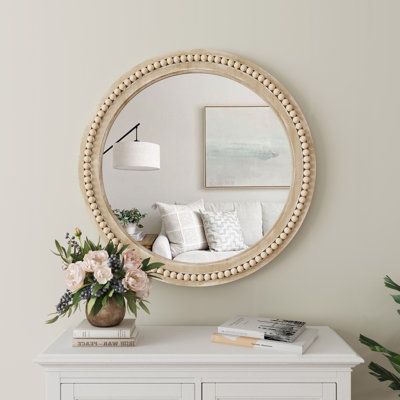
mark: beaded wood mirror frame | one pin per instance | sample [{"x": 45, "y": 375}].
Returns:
[{"x": 263, "y": 84}]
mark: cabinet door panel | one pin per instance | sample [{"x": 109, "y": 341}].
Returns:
[
  {"x": 122, "y": 391},
  {"x": 269, "y": 391}
]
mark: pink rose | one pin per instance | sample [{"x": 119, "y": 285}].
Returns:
[
  {"x": 75, "y": 276},
  {"x": 103, "y": 273},
  {"x": 131, "y": 260},
  {"x": 95, "y": 259},
  {"x": 137, "y": 281},
  {"x": 85, "y": 266}
]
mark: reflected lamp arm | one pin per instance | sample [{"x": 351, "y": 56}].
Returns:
[{"x": 124, "y": 136}]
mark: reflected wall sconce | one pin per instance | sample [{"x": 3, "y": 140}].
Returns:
[{"x": 135, "y": 155}]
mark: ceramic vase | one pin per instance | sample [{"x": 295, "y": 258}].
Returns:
[{"x": 111, "y": 314}]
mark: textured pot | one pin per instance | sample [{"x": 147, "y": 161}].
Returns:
[
  {"x": 134, "y": 231},
  {"x": 111, "y": 314}
]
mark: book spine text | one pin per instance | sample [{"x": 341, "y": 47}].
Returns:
[{"x": 103, "y": 343}]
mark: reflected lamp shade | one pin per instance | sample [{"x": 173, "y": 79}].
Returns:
[{"x": 136, "y": 156}]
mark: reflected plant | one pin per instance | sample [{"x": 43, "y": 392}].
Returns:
[
  {"x": 381, "y": 373},
  {"x": 132, "y": 216}
]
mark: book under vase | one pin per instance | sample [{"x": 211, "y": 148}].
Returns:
[{"x": 124, "y": 335}]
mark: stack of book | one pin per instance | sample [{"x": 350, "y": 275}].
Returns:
[
  {"x": 123, "y": 335},
  {"x": 282, "y": 335}
]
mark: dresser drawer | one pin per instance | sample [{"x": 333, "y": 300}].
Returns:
[
  {"x": 269, "y": 391},
  {"x": 122, "y": 391}
]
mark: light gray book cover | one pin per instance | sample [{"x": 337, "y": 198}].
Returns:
[
  {"x": 123, "y": 331},
  {"x": 263, "y": 328}
]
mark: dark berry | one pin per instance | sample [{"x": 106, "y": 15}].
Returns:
[{"x": 65, "y": 302}]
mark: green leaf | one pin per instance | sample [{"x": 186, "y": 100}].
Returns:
[
  {"x": 110, "y": 294},
  {"x": 144, "y": 307},
  {"x": 91, "y": 245},
  {"x": 375, "y": 346},
  {"x": 383, "y": 375},
  {"x": 395, "y": 361},
  {"x": 86, "y": 247},
  {"x": 58, "y": 246},
  {"x": 389, "y": 283},
  {"x": 152, "y": 266},
  {"x": 97, "y": 306},
  {"x": 110, "y": 248},
  {"x": 97, "y": 287},
  {"x": 61, "y": 252},
  {"x": 104, "y": 301},
  {"x": 119, "y": 298},
  {"x": 69, "y": 248},
  {"x": 122, "y": 249},
  {"x": 76, "y": 297},
  {"x": 396, "y": 298},
  {"x": 52, "y": 320},
  {"x": 91, "y": 303},
  {"x": 56, "y": 254},
  {"x": 145, "y": 262},
  {"x": 131, "y": 301}
]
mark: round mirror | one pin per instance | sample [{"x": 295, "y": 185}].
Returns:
[{"x": 201, "y": 161}]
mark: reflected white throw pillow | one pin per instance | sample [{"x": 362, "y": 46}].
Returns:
[
  {"x": 183, "y": 226},
  {"x": 223, "y": 230}
]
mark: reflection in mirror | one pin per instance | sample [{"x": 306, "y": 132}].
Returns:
[{"x": 225, "y": 168}]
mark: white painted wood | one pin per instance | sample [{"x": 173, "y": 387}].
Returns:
[
  {"x": 272, "y": 391},
  {"x": 172, "y": 357},
  {"x": 344, "y": 385},
  {"x": 188, "y": 392},
  {"x": 67, "y": 392},
  {"x": 329, "y": 391},
  {"x": 52, "y": 379},
  {"x": 208, "y": 391},
  {"x": 128, "y": 392},
  {"x": 190, "y": 344}
]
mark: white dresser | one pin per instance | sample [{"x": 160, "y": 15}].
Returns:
[{"x": 180, "y": 363}]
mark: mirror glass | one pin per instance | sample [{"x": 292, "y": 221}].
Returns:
[{"x": 211, "y": 172}]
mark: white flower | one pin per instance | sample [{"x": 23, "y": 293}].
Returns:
[
  {"x": 103, "y": 273},
  {"x": 84, "y": 265},
  {"x": 75, "y": 276},
  {"x": 95, "y": 259}
]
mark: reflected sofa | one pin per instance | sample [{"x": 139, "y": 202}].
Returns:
[{"x": 256, "y": 219}]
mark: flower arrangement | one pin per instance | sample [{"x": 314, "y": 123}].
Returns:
[
  {"x": 132, "y": 216},
  {"x": 98, "y": 274}
]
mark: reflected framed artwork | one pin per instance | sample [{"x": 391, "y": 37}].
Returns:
[{"x": 246, "y": 146}]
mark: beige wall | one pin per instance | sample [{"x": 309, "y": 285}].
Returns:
[{"x": 338, "y": 58}]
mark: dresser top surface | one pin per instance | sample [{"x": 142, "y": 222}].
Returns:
[{"x": 192, "y": 344}]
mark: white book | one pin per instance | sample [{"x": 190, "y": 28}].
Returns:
[
  {"x": 87, "y": 331},
  {"x": 128, "y": 342},
  {"x": 263, "y": 328},
  {"x": 299, "y": 346}
]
